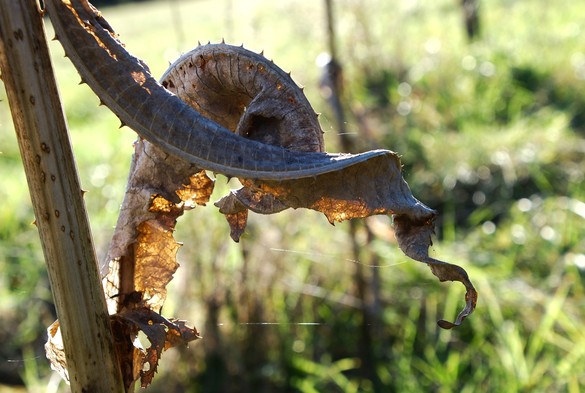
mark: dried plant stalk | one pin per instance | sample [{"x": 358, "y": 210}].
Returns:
[{"x": 57, "y": 200}]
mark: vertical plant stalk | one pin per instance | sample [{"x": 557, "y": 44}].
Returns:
[
  {"x": 332, "y": 87},
  {"x": 471, "y": 19},
  {"x": 57, "y": 199}
]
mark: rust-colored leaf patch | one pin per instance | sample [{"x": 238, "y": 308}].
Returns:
[
  {"x": 197, "y": 191},
  {"x": 155, "y": 261}
]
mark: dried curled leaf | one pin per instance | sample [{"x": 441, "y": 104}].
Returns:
[
  {"x": 414, "y": 239},
  {"x": 142, "y": 254},
  {"x": 235, "y": 213},
  {"x": 162, "y": 334},
  {"x": 142, "y": 257},
  {"x": 235, "y": 207},
  {"x": 372, "y": 187}
]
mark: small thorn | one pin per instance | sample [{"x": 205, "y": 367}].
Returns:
[
  {"x": 317, "y": 114},
  {"x": 101, "y": 103},
  {"x": 222, "y": 40},
  {"x": 198, "y": 43},
  {"x": 262, "y": 53},
  {"x": 34, "y": 223},
  {"x": 55, "y": 38},
  {"x": 242, "y": 46},
  {"x": 83, "y": 192},
  {"x": 81, "y": 82},
  {"x": 122, "y": 124},
  {"x": 208, "y": 42}
]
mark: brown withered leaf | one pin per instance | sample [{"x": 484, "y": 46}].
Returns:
[
  {"x": 235, "y": 213},
  {"x": 142, "y": 255},
  {"x": 162, "y": 334},
  {"x": 235, "y": 207},
  {"x": 131, "y": 355},
  {"x": 55, "y": 351},
  {"x": 372, "y": 187},
  {"x": 414, "y": 239}
]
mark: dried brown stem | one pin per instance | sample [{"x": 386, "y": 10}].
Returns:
[{"x": 57, "y": 200}]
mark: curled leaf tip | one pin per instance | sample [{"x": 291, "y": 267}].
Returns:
[
  {"x": 414, "y": 239},
  {"x": 448, "y": 272},
  {"x": 470, "y": 301}
]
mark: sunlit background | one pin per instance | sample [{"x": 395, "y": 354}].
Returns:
[{"x": 491, "y": 129}]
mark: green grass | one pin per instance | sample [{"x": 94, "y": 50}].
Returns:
[{"x": 492, "y": 135}]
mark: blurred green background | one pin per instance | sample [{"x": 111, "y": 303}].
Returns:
[{"x": 492, "y": 134}]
